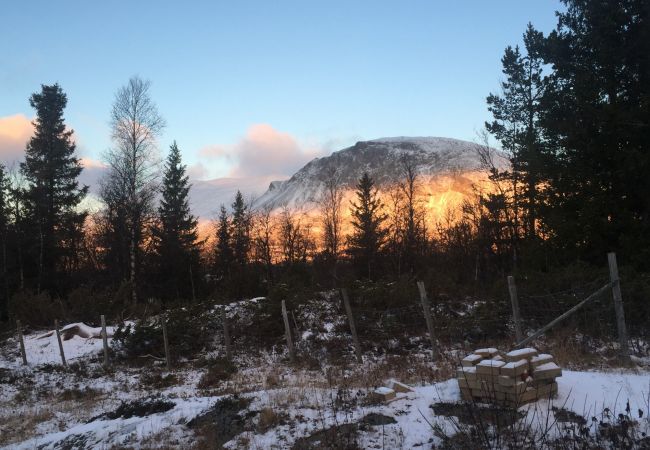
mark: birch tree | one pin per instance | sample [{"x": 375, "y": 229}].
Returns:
[{"x": 133, "y": 163}]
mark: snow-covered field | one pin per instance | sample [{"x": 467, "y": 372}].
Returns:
[{"x": 43, "y": 406}]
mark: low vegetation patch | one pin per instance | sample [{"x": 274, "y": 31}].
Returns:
[{"x": 137, "y": 408}]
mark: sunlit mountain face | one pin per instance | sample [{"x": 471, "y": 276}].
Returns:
[{"x": 447, "y": 170}]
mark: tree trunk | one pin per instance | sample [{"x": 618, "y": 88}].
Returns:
[{"x": 134, "y": 294}]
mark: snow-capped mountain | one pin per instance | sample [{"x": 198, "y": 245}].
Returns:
[
  {"x": 440, "y": 162},
  {"x": 447, "y": 169}
]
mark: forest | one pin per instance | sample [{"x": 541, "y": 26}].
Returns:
[{"x": 571, "y": 112}]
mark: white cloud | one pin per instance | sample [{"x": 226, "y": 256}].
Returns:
[
  {"x": 263, "y": 151},
  {"x": 15, "y": 131}
]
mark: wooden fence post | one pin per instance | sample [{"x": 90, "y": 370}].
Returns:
[
  {"x": 58, "y": 338},
  {"x": 353, "y": 328},
  {"x": 287, "y": 332},
  {"x": 166, "y": 342},
  {"x": 618, "y": 306},
  {"x": 21, "y": 341},
  {"x": 514, "y": 300},
  {"x": 226, "y": 333},
  {"x": 104, "y": 339},
  {"x": 426, "y": 309}
]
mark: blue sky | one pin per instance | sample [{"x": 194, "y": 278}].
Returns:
[{"x": 252, "y": 78}]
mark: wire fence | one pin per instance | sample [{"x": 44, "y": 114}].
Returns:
[{"x": 367, "y": 326}]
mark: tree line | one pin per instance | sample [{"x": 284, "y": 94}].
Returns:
[{"x": 572, "y": 115}]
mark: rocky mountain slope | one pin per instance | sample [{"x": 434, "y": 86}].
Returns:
[
  {"x": 447, "y": 169},
  {"x": 440, "y": 162}
]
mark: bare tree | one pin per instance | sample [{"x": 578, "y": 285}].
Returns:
[
  {"x": 133, "y": 162},
  {"x": 263, "y": 239},
  {"x": 330, "y": 206},
  {"x": 295, "y": 237},
  {"x": 414, "y": 233}
]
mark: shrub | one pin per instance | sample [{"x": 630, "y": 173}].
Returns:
[
  {"x": 219, "y": 370},
  {"x": 188, "y": 332}
]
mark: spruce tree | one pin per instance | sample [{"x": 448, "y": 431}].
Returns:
[
  {"x": 4, "y": 237},
  {"x": 223, "y": 254},
  {"x": 176, "y": 244},
  {"x": 597, "y": 116},
  {"x": 241, "y": 244},
  {"x": 53, "y": 194},
  {"x": 241, "y": 224},
  {"x": 368, "y": 233}
]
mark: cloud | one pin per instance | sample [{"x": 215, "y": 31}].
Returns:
[
  {"x": 197, "y": 171},
  {"x": 263, "y": 151},
  {"x": 15, "y": 131}
]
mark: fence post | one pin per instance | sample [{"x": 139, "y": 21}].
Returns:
[
  {"x": 58, "y": 338},
  {"x": 426, "y": 309},
  {"x": 21, "y": 341},
  {"x": 618, "y": 305},
  {"x": 514, "y": 300},
  {"x": 287, "y": 332},
  {"x": 166, "y": 342},
  {"x": 226, "y": 333},
  {"x": 353, "y": 328},
  {"x": 104, "y": 339}
]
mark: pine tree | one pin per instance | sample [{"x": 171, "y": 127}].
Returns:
[
  {"x": 4, "y": 238},
  {"x": 597, "y": 116},
  {"x": 368, "y": 235},
  {"x": 241, "y": 244},
  {"x": 241, "y": 224},
  {"x": 516, "y": 113},
  {"x": 223, "y": 254},
  {"x": 53, "y": 194},
  {"x": 176, "y": 235}
]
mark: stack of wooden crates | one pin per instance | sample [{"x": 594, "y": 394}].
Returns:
[{"x": 511, "y": 379}]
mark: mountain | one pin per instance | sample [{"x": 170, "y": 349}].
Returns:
[
  {"x": 447, "y": 168},
  {"x": 206, "y": 197}
]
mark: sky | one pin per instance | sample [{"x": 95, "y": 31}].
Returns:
[{"x": 258, "y": 88}]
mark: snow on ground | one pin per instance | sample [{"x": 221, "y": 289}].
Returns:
[
  {"x": 42, "y": 348},
  {"x": 121, "y": 431},
  {"x": 43, "y": 399},
  {"x": 310, "y": 409}
]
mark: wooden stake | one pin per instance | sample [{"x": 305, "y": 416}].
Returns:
[
  {"x": 21, "y": 341},
  {"x": 512, "y": 287},
  {"x": 287, "y": 333},
  {"x": 226, "y": 333},
  {"x": 618, "y": 306},
  {"x": 426, "y": 309},
  {"x": 58, "y": 338},
  {"x": 353, "y": 328},
  {"x": 105, "y": 339},
  {"x": 166, "y": 342}
]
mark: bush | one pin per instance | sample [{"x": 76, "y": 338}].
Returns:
[
  {"x": 36, "y": 309},
  {"x": 219, "y": 370},
  {"x": 188, "y": 331}
]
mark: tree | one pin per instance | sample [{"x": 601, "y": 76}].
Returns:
[
  {"x": 5, "y": 213},
  {"x": 368, "y": 234},
  {"x": 263, "y": 240},
  {"x": 223, "y": 254},
  {"x": 130, "y": 185},
  {"x": 176, "y": 234},
  {"x": 52, "y": 194},
  {"x": 516, "y": 113},
  {"x": 295, "y": 238},
  {"x": 330, "y": 206},
  {"x": 241, "y": 244},
  {"x": 596, "y": 115},
  {"x": 414, "y": 231}
]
